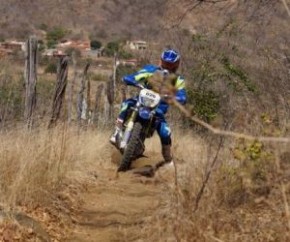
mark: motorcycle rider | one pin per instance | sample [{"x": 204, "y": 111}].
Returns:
[{"x": 169, "y": 63}]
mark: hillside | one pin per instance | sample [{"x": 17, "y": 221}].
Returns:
[
  {"x": 127, "y": 17},
  {"x": 105, "y": 19}
]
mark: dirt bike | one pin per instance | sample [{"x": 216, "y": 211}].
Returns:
[{"x": 140, "y": 124}]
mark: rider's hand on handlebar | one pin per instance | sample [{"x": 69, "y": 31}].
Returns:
[{"x": 140, "y": 86}]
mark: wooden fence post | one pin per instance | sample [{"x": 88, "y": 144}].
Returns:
[
  {"x": 115, "y": 65},
  {"x": 30, "y": 80},
  {"x": 81, "y": 102},
  {"x": 110, "y": 97},
  {"x": 71, "y": 89},
  {"x": 89, "y": 110},
  {"x": 60, "y": 88}
]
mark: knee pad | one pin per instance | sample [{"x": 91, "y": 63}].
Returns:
[{"x": 165, "y": 134}]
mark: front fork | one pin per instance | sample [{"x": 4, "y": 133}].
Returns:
[{"x": 129, "y": 128}]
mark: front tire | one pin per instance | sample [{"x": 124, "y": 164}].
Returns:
[{"x": 133, "y": 148}]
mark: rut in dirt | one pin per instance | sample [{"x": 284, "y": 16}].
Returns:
[{"x": 128, "y": 207}]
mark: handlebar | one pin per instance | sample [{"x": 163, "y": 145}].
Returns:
[
  {"x": 163, "y": 96},
  {"x": 140, "y": 86}
]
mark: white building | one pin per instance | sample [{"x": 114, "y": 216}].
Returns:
[{"x": 137, "y": 45}]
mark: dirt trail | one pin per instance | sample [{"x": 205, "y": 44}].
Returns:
[{"x": 127, "y": 207}]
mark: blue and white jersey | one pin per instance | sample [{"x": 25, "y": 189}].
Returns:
[{"x": 148, "y": 71}]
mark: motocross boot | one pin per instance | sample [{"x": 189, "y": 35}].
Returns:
[
  {"x": 118, "y": 128},
  {"x": 167, "y": 156}
]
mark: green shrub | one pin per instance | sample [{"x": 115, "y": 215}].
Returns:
[
  {"x": 255, "y": 163},
  {"x": 112, "y": 48},
  {"x": 95, "y": 44},
  {"x": 206, "y": 103},
  {"x": 236, "y": 71},
  {"x": 57, "y": 33},
  {"x": 248, "y": 176}
]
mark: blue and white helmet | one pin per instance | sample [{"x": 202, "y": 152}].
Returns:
[
  {"x": 170, "y": 60},
  {"x": 170, "y": 56}
]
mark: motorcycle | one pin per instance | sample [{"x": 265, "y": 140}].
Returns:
[{"x": 140, "y": 124}]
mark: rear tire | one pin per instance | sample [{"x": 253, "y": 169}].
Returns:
[{"x": 134, "y": 147}]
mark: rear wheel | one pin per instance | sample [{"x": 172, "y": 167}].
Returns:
[{"x": 135, "y": 147}]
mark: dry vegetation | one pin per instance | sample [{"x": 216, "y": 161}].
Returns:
[
  {"x": 102, "y": 19},
  {"x": 237, "y": 60},
  {"x": 59, "y": 184},
  {"x": 64, "y": 181},
  {"x": 43, "y": 170}
]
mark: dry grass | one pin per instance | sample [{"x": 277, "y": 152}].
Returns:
[
  {"x": 45, "y": 166},
  {"x": 42, "y": 173},
  {"x": 34, "y": 165},
  {"x": 242, "y": 201}
]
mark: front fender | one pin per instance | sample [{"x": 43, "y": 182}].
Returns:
[{"x": 145, "y": 113}]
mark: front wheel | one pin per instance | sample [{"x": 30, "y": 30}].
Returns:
[{"x": 134, "y": 147}]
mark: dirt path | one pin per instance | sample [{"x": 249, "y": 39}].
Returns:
[{"x": 127, "y": 207}]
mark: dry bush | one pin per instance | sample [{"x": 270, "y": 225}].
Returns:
[
  {"x": 10, "y": 92},
  {"x": 239, "y": 54},
  {"x": 241, "y": 201},
  {"x": 42, "y": 174},
  {"x": 35, "y": 165}
]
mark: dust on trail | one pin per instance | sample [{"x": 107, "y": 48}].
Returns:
[{"x": 128, "y": 207}]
